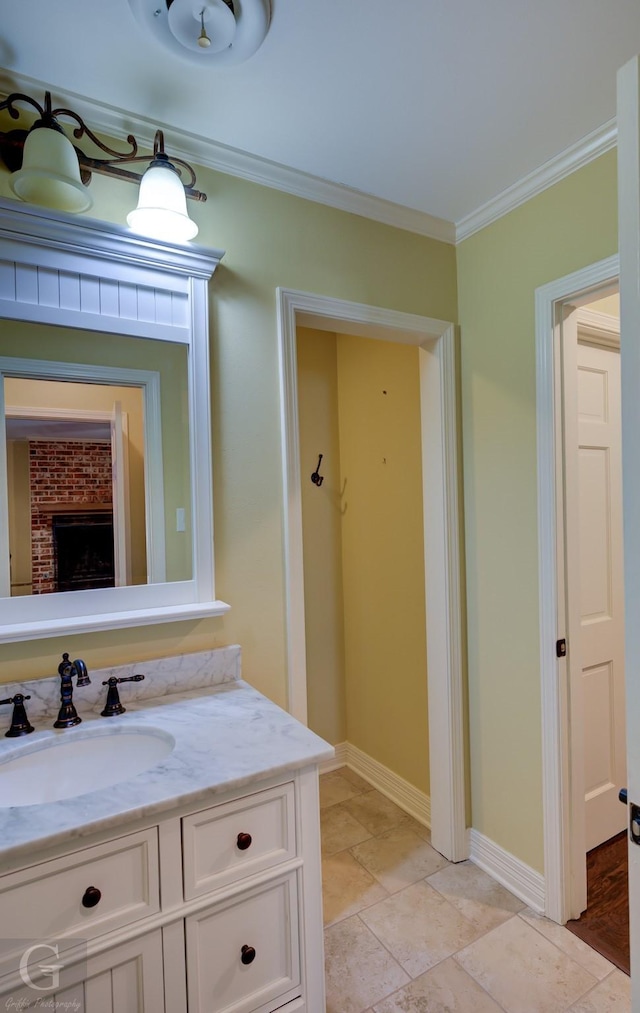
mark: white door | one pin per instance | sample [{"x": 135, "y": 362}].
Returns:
[
  {"x": 120, "y": 496},
  {"x": 628, "y": 124},
  {"x": 601, "y": 595}
]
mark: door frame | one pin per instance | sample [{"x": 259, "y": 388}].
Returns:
[
  {"x": 564, "y": 850},
  {"x": 442, "y": 529}
]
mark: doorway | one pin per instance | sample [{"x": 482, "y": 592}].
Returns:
[
  {"x": 581, "y": 771},
  {"x": 435, "y": 340},
  {"x": 594, "y": 592}
]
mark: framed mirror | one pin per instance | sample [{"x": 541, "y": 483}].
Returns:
[{"x": 105, "y": 451}]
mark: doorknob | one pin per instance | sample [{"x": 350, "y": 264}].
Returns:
[{"x": 634, "y": 815}]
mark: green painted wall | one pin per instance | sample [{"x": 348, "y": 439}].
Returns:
[{"x": 569, "y": 226}]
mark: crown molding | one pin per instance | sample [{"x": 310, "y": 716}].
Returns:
[
  {"x": 574, "y": 157},
  {"x": 117, "y": 122}
]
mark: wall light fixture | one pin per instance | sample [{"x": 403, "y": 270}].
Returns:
[{"x": 47, "y": 168}]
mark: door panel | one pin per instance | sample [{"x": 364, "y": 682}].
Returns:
[
  {"x": 628, "y": 130},
  {"x": 601, "y": 590}
]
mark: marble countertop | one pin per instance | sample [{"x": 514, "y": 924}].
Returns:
[{"x": 227, "y": 737}]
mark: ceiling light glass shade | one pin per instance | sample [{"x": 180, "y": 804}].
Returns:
[
  {"x": 162, "y": 207},
  {"x": 187, "y": 16},
  {"x": 50, "y": 173}
]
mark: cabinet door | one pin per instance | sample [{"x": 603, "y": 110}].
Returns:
[
  {"x": 126, "y": 979},
  {"x": 244, "y": 954}
]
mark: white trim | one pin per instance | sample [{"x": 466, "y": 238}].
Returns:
[
  {"x": 436, "y": 340},
  {"x": 115, "y": 620},
  {"x": 555, "y": 745},
  {"x": 597, "y": 143},
  {"x": 409, "y": 798},
  {"x": 62, "y": 415},
  {"x": 516, "y": 876},
  {"x": 600, "y": 329}
]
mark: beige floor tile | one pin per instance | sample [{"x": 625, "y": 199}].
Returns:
[
  {"x": 446, "y": 988},
  {"x": 613, "y": 995},
  {"x": 335, "y": 788},
  {"x": 355, "y": 779},
  {"x": 375, "y": 811},
  {"x": 593, "y": 961},
  {"x": 346, "y": 887},
  {"x": 419, "y": 828},
  {"x": 339, "y": 830},
  {"x": 359, "y": 971},
  {"x": 476, "y": 895},
  {"x": 419, "y": 927},
  {"x": 523, "y": 971},
  {"x": 398, "y": 858}
]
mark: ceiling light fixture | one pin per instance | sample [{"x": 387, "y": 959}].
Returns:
[
  {"x": 203, "y": 39},
  {"x": 230, "y": 30},
  {"x": 49, "y": 169}
]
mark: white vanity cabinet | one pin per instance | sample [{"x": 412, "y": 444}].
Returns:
[{"x": 214, "y": 909}]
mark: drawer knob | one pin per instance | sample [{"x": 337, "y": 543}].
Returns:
[
  {"x": 244, "y": 841},
  {"x": 91, "y": 896},
  {"x": 248, "y": 954}
]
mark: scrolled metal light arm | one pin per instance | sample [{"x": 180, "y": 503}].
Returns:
[{"x": 12, "y": 144}]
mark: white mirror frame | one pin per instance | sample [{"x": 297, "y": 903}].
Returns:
[{"x": 79, "y": 273}]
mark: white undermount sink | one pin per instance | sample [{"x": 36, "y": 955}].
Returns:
[{"x": 76, "y": 762}]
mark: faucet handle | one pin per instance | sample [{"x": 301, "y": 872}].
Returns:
[
  {"x": 113, "y": 705},
  {"x": 19, "y": 721}
]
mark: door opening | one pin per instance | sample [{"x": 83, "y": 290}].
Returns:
[
  {"x": 442, "y": 531},
  {"x": 591, "y": 506},
  {"x": 581, "y": 591}
]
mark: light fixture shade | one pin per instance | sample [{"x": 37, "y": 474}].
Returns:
[
  {"x": 162, "y": 207},
  {"x": 186, "y": 16},
  {"x": 50, "y": 173}
]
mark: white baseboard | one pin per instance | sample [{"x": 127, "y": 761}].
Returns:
[
  {"x": 405, "y": 795},
  {"x": 339, "y": 760},
  {"x": 505, "y": 868},
  {"x": 515, "y": 875}
]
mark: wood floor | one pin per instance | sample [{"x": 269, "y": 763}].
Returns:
[{"x": 605, "y": 923}]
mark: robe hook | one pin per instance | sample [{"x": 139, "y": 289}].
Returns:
[{"x": 316, "y": 478}]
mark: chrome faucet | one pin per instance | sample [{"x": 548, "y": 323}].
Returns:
[{"x": 67, "y": 715}]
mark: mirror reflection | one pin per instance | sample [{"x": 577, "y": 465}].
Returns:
[
  {"x": 95, "y": 490},
  {"x": 75, "y": 472}
]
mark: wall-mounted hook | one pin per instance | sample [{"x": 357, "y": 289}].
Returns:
[{"x": 316, "y": 478}]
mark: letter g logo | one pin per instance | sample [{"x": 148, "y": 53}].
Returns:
[{"x": 46, "y": 969}]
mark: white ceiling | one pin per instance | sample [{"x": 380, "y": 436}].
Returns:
[{"x": 435, "y": 105}]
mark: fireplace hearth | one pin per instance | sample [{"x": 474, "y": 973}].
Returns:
[{"x": 83, "y": 550}]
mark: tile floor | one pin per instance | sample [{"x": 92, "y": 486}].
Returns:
[{"x": 408, "y": 932}]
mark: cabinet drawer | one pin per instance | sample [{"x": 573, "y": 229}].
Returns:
[
  {"x": 49, "y": 900},
  {"x": 238, "y": 839},
  {"x": 244, "y": 954}
]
